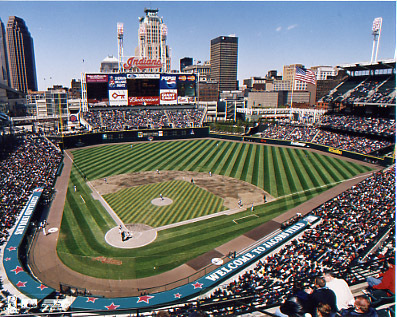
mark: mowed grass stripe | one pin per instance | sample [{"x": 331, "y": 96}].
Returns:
[
  {"x": 289, "y": 161},
  {"x": 224, "y": 151},
  {"x": 229, "y": 162},
  {"x": 247, "y": 164},
  {"x": 324, "y": 177},
  {"x": 187, "y": 153},
  {"x": 281, "y": 178},
  {"x": 331, "y": 174},
  {"x": 200, "y": 162},
  {"x": 255, "y": 166},
  {"x": 298, "y": 168},
  {"x": 166, "y": 159},
  {"x": 271, "y": 185},
  {"x": 238, "y": 162},
  {"x": 193, "y": 155},
  {"x": 314, "y": 177}
]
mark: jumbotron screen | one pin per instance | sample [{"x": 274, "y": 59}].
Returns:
[{"x": 140, "y": 89}]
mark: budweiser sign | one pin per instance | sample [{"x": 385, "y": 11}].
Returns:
[
  {"x": 142, "y": 63},
  {"x": 133, "y": 101}
]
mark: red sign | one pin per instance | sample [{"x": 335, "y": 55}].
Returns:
[
  {"x": 97, "y": 78},
  {"x": 142, "y": 63},
  {"x": 168, "y": 96},
  {"x": 135, "y": 101}
]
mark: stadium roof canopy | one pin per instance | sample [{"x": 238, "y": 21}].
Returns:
[{"x": 383, "y": 64}]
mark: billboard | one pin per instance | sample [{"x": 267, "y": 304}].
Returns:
[
  {"x": 186, "y": 88},
  {"x": 117, "y": 87},
  {"x": 168, "y": 90},
  {"x": 140, "y": 89},
  {"x": 143, "y": 89},
  {"x": 97, "y": 88}
]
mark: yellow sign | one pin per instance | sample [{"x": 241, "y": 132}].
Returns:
[{"x": 336, "y": 151}]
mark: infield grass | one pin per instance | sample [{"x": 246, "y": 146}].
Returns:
[{"x": 291, "y": 175}]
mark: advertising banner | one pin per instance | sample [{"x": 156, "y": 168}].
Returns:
[
  {"x": 142, "y": 101},
  {"x": 168, "y": 90},
  {"x": 168, "y": 96},
  {"x": 118, "y": 94},
  {"x": 143, "y": 75},
  {"x": 96, "y": 78},
  {"x": 168, "y": 82},
  {"x": 186, "y": 100}
]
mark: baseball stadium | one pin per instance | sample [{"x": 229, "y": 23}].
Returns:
[{"x": 151, "y": 210}]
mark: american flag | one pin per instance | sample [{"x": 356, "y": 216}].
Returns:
[{"x": 305, "y": 75}]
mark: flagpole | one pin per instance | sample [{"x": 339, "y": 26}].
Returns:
[{"x": 292, "y": 92}]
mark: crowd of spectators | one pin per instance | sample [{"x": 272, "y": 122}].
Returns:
[
  {"x": 368, "y": 125},
  {"x": 30, "y": 163},
  {"x": 119, "y": 120},
  {"x": 354, "y": 143},
  {"x": 348, "y": 142},
  {"x": 351, "y": 223},
  {"x": 375, "y": 89}
]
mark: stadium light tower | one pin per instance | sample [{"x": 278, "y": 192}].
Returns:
[
  {"x": 120, "y": 35},
  {"x": 376, "y": 28}
]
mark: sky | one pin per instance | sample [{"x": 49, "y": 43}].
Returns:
[{"x": 71, "y": 37}]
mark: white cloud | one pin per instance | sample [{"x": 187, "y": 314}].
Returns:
[
  {"x": 293, "y": 26},
  {"x": 278, "y": 29}
]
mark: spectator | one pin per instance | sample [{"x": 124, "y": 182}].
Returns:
[
  {"x": 361, "y": 308},
  {"x": 344, "y": 297},
  {"x": 385, "y": 283},
  {"x": 321, "y": 294}
]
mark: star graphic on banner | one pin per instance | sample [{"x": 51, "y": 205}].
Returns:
[
  {"x": 17, "y": 270},
  {"x": 21, "y": 284},
  {"x": 91, "y": 299},
  {"x": 42, "y": 286},
  {"x": 198, "y": 285},
  {"x": 144, "y": 298},
  {"x": 11, "y": 248},
  {"x": 7, "y": 259},
  {"x": 112, "y": 306},
  {"x": 177, "y": 295}
]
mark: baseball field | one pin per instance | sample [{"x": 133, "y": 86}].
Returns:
[{"x": 202, "y": 178}]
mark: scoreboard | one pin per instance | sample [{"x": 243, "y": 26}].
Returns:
[{"x": 139, "y": 89}]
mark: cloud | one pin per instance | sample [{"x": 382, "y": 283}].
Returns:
[
  {"x": 278, "y": 29},
  {"x": 293, "y": 26}
]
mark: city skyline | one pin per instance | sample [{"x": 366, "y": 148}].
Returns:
[{"x": 74, "y": 37}]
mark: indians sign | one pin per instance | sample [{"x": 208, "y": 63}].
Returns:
[{"x": 142, "y": 63}]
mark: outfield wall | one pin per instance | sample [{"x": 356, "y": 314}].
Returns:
[{"x": 86, "y": 139}]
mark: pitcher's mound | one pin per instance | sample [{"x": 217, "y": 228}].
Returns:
[
  {"x": 138, "y": 235},
  {"x": 162, "y": 202}
]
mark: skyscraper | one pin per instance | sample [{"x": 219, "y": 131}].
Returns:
[
  {"x": 224, "y": 53},
  {"x": 21, "y": 61},
  {"x": 4, "y": 72},
  {"x": 152, "y": 37}
]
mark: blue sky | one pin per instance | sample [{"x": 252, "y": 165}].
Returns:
[{"x": 271, "y": 34}]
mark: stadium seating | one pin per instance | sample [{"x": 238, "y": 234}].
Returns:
[{"x": 119, "y": 120}]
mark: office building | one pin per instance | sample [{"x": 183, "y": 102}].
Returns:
[
  {"x": 4, "y": 72},
  {"x": 224, "y": 53},
  {"x": 152, "y": 38},
  {"x": 184, "y": 62},
  {"x": 21, "y": 60}
]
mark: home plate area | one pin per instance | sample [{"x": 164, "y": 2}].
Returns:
[{"x": 135, "y": 236}]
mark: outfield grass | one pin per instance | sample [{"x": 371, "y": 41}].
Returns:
[{"x": 291, "y": 175}]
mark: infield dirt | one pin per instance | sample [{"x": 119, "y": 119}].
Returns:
[{"x": 229, "y": 189}]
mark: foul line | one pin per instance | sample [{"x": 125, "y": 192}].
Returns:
[{"x": 253, "y": 215}]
